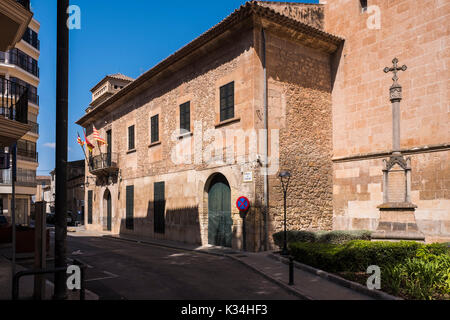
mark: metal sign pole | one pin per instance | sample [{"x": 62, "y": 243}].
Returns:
[{"x": 13, "y": 207}]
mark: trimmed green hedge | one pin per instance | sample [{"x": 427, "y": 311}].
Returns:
[
  {"x": 335, "y": 237},
  {"x": 355, "y": 255},
  {"x": 410, "y": 269}
]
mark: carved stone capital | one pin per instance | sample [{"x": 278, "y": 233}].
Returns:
[{"x": 395, "y": 93}]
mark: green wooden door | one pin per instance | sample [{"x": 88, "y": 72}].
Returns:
[
  {"x": 219, "y": 213},
  {"x": 109, "y": 213},
  {"x": 159, "y": 207}
]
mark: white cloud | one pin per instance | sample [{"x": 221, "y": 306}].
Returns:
[{"x": 51, "y": 145}]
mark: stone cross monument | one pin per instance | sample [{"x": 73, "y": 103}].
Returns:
[{"x": 397, "y": 219}]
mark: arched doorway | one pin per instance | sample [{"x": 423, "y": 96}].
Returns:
[
  {"x": 219, "y": 212},
  {"x": 107, "y": 211}
]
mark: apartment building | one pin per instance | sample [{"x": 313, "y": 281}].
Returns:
[{"x": 19, "y": 79}]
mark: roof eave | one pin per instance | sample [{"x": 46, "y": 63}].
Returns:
[{"x": 244, "y": 12}]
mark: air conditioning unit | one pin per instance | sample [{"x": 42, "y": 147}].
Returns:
[{"x": 5, "y": 162}]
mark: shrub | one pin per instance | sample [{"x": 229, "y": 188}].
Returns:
[
  {"x": 355, "y": 255},
  {"x": 408, "y": 268},
  {"x": 335, "y": 237},
  {"x": 422, "y": 277},
  {"x": 339, "y": 237},
  {"x": 294, "y": 236}
]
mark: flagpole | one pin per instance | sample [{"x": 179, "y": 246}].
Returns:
[{"x": 84, "y": 151}]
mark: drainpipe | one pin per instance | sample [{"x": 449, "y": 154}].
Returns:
[{"x": 266, "y": 145}]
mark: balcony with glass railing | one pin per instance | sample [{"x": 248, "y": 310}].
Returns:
[
  {"x": 20, "y": 59},
  {"x": 34, "y": 127},
  {"x": 24, "y": 178},
  {"x": 31, "y": 37},
  {"x": 27, "y": 155}
]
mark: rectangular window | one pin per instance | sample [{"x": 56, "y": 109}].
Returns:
[
  {"x": 130, "y": 208},
  {"x": 90, "y": 207},
  {"x": 108, "y": 148},
  {"x": 363, "y": 5},
  {"x": 159, "y": 204},
  {"x": 185, "y": 117},
  {"x": 154, "y": 129},
  {"x": 227, "y": 102},
  {"x": 131, "y": 145}
]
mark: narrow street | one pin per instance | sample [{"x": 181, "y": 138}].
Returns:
[{"x": 127, "y": 270}]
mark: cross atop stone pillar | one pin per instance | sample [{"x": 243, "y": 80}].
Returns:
[
  {"x": 395, "y": 96},
  {"x": 397, "y": 219}
]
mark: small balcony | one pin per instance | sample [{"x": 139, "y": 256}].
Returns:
[
  {"x": 22, "y": 60},
  {"x": 27, "y": 155},
  {"x": 31, "y": 38},
  {"x": 13, "y": 112},
  {"x": 24, "y": 3},
  {"x": 34, "y": 127},
  {"x": 15, "y": 15},
  {"x": 104, "y": 165}
]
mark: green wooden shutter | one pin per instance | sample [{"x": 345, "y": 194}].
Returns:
[
  {"x": 90, "y": 207},
  {"x": 227, "y": 102},
  {"x": 185, "y": 116},
  {"x": 130, "y": 207},
  {"x": 131, "y": 138},
  {"x": 155, "y": 129}
]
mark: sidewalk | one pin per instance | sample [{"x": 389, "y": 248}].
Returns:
[
  {"x": 26, "y": 284},
  {"x": 309, "y": 283}
]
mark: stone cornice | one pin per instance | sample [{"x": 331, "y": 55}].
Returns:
[{"x": 384, "y": 154}]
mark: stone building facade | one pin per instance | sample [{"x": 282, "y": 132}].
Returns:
[
  {"x": 418, "y": 35},
  {"x": 155, "y": 180},
  {"x": 297, "y": 60}
]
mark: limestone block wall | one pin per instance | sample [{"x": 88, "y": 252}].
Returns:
[
  {"x": 300, "y": 108},
  {"x": 357, "y": 192},
  {"x": 417, "y": 33}
]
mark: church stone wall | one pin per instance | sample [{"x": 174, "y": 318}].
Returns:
[
  {"x": 417, "y": 33},
  {"x": 358, "y": 191}
]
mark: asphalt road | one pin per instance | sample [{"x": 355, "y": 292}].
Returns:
[{"x": 127, "y": 270}]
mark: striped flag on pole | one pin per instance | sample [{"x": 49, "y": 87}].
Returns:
[
  {"x": 80, "y": 142},
  {"x": 89, "y": 145},
  {"x": 97, "y": 137}
]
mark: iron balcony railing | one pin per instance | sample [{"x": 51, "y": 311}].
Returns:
[
  {"x": 13, "y": 101},
  {"x": 24, "y": 3},
  {"x": 34, "y": 127},
  {"x": 107, "y": 161}
]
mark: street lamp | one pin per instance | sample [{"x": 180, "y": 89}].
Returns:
[{"x": 284, "y": 176}]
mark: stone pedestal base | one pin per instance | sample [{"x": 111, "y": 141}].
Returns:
[{"x": 398, "y": 222}]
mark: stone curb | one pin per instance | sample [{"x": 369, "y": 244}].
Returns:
[
  {"x": 338, "y": 280},
  {"x": 283, "y": 285}
]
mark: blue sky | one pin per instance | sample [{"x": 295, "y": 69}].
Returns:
[{"x": 128, "y": 37}]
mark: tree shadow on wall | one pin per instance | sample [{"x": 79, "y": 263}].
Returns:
[{"x": 178, "y": 224}]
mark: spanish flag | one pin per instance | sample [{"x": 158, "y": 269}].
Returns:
[{"x": 89, "y": 145}]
